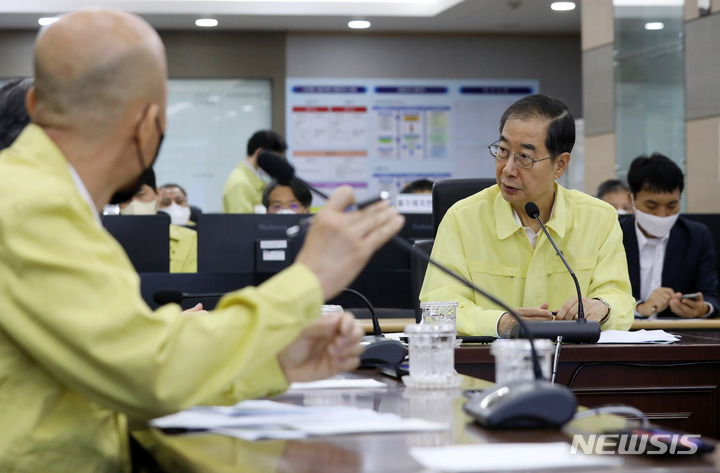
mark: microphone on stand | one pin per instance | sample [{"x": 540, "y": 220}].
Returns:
[
  {"x": 580, "y": 330},
  {"x": 378, "y": 349},
  {"x": 279, "y": 169},
  {"x": 519, "y": 404}
]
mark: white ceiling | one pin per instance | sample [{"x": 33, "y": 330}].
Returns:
[{"x": 437, "y": 16}]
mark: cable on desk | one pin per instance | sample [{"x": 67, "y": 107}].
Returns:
[
  {"x": 640, "y": 365},
  {"x": 620, "y": 409}
]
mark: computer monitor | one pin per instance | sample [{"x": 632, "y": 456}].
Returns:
[
  {"x": 246, "y": 243},
  {"x": 252, "y": 243},
  {"x": 417, "y": 227},
  {"x": 386, "y": 279},
  {"x": 145, "y": 238}
]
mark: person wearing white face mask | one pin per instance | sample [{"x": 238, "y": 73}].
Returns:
[
  {"x": 668, "y": 256},
  {"x": 173, "y": 201},
  {"x": 293, "y": 197},
  {"x": 183, "y": 241}
]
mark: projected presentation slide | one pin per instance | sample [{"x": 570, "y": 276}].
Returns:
[{"x": 380, "y": 134}]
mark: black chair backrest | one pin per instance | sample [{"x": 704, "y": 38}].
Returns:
[
  {"x": 418, "y": 266},
  {"x": 446, "y": 192},
  {"x": 713, "y": 223},
  {"x": 145, "y": 238}
]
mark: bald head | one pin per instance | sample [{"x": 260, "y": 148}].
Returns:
[{"x": 93, "y": 67}]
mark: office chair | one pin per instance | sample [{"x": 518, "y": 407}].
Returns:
[
  {"x": 418, "y": 266},
  {"x": 713, "y": 223},
  {"x": 446, "y": 192}
]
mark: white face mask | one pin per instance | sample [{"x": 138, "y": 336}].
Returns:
[
  {"x": 179, "y": 215},
  {"x": 655, "y": 226},
  {"x": 622, "y": 212},
  {"x": 137, "y": 207},
  {"x": 285, "y": 211}
]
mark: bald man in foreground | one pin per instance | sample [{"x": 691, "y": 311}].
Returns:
[{"x": 81, "y": 354}]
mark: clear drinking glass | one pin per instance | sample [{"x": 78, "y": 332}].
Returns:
[
  {"x": 439, "y": 312},
  {"x": 513, "y": 359},
  {"x": 326, "y": 309},
  {"x": 432, "y": 355}
]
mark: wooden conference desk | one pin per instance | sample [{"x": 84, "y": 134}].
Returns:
[
  {"x": 387, "y": 325},
  {"x": 671, "y": 325},
  {"x": 378, "y": 453},
  {"x": 676, "y": 385}
]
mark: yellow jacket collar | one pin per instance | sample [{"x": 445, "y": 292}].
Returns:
[
  {"x": 34, "y": 139},
  {"x": 37, "y": 146},
  {"x": 506, "y": 225}
]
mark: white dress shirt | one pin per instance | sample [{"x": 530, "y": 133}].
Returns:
[{"x": 652, "y": 259}]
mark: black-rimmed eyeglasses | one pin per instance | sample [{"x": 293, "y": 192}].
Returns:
[{"x": 524, "y": 160}]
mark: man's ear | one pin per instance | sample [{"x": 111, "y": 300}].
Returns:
[
  {"x": 147, "y": 129},
  {"x": 30, "y": 100},
  {"x": 561, "y": 164}
]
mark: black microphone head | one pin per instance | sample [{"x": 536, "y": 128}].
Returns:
[
  {"x": 276, "y": 166},
  {"x": 166, "y": 296},
  {"x": 532, "y": 210}
]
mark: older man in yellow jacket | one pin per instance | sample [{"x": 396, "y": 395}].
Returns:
[
  {"x": 80, "y": 352},
  {"x": 490, "y": 239}
]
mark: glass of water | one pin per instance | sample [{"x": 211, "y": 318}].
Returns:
[
  {"x": 439, "y": 312},
  {"x": 327, "y": 309},
  {"x": 513, "y": 359},
  {"x": 432, "y": 355}
]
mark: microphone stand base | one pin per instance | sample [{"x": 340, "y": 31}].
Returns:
[
  {"x": 570, "y": 330},
  {"x": 381, "y": 351},
  {"x": 526, "y": 404}
]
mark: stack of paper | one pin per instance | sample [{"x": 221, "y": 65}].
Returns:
[
  {"x": 339, "y": 383},
  {"x": 638, "y": 336},
  {"x": 504, "y": 457},
  {"x": 252, "y": 420}
]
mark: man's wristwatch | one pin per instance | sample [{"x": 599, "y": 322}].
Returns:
[{"x": 606, "y": 304}]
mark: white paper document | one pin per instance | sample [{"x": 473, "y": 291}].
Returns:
[
  {"x": 252, "y": 420},
  {"x": 507, "y": 457},
  {"x": 638, "y": 336},
  {"x": 339, "y": 383}
]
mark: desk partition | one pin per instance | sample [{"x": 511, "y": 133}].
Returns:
[
  {"x": 192, "y": 283},
  {"x": 145, "y": 239}
]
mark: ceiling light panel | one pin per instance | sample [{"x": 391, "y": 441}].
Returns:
[
  {"x": 419, "y": 8},
  {"x": 563, "y": 6}
]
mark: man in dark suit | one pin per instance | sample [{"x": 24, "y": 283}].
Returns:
[{"x": 668, "y": 255}]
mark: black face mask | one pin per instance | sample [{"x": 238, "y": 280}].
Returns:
[{"x": 126, "y": 194}]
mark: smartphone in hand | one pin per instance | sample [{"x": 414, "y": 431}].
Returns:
[{"x": 693, "y": 296}]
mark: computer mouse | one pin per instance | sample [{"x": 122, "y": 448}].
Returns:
[{"x": 523, "y": 404}]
